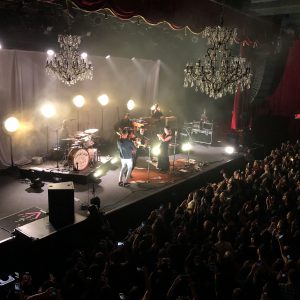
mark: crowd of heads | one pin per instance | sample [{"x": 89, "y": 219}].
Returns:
[{"x": 238, "y": 238}]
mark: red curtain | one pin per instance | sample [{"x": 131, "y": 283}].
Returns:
[{"x": 286, "y": 99}]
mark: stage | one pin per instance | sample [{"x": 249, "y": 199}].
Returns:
[{"x": 148, "y": 186}]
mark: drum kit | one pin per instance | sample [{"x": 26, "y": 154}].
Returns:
[{"x": 80, "y": 152}]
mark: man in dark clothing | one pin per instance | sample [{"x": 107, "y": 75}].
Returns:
[{"x": 127, "y": 150}]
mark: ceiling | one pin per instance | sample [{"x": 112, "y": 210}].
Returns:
[{"x": 34, "y": 25}]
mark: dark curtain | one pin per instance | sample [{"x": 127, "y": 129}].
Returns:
[{"x": 286, "y": 99}]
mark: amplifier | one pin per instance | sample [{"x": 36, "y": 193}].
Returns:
[{"x": 204, "y": 137}]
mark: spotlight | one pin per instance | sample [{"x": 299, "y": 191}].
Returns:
[
  {"x": 156, "y": 150},
  {"x": 96, "y": 201},
  {"x": 130, "y": 104},
  {"x": 107, "y": 56},
  {"x": 114, "y": 160},
  {"x": 186, "y": 147},
  {"x": 98, "y": 173},
  {"x": 229, "y": 150},
  {"x": 48, "y": 110},
  {"x": 103, "y": 99},
  {"x": 0, "y": 46},
  {"x": 78, "y": 101},
  {"x": 11, "y": 124},
  {"x": 36, "y": 183}
]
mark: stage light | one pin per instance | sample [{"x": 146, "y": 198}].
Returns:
[
  {"x": 156, "y": 150},
  {"x": 103, "y": 99},
  {"x": 130, "y": 104},
  {"x": 186, "y": 147},
  {"x": 83, "y": 55},
  {"x": 50, "y": 52},
  {"x": 78, "y": 101},
  {"x": 11, "y": 124},
  {"x": 0, "y": 46},
  {"x": 48, "y": 110},
  {"x": 229, "y": 150},
  {"x": 107, "y": 56},
  {"x": 114, "y": 160},
  {"x": 98, "y": 173},
  {"x": 96, "y": 201}
]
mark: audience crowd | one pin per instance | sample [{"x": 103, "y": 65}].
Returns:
[{"x": 235, "y": 239}]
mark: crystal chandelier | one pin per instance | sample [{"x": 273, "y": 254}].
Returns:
[
  {"x": 219, "y": 73},
  {"x": 68, "y": 66}
]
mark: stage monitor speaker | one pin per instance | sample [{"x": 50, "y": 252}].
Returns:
[{"x": 61, "y": 203}]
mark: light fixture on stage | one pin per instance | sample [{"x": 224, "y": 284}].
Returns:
[
  {"x": 11, "y": 125},
  {"x": 97, "y": 173},
  {"x": 79, "y": 102},
  {"x": 156, "y": 150},
  {"x": 229, "y": 150},
  {"x": 103, "y": 100},
  {"x": 48, "y": 111},
  {"x": 114, "y": 160},
  {"x": 187, "y": 147},
  {"x": 68, "y": 66},
  {"x": 130, "y": 104},
  {"x": 96, "y": 201}
]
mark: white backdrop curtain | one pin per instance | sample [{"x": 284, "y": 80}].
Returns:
[{"x": 25, "y": 86}]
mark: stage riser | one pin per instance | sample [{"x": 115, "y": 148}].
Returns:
[{"x": 50, "y": 176}]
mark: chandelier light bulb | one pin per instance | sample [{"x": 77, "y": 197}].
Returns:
[
  {"x": 107, "y": 56},
  {"x": 78, "y": 101},
  {"x": 50, "y": 52},
  {"x": 103, "y": 99},
  {"x": 11, "y": 124},
  {"x": 84, "y": 55},
  {"x": 48, "y": 110}
]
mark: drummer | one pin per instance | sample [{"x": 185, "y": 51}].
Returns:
[{"x": 63, "y": 135}]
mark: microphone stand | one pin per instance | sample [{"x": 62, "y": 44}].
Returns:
[
  {"x": 57, "y": 166},
  {"x": 148, "y": 164},
  {"x": 174, "y": 151}
]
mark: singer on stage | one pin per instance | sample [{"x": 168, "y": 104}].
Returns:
[{"x": 163, "y": 163}]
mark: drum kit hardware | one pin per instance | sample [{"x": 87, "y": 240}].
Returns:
[{"x": 79, "y": 151}]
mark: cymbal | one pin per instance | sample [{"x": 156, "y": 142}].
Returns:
[
  {"x": 80, "y": 134},
  {"x": 68, "y": 139},
  {"x": 91, "y": 130}
]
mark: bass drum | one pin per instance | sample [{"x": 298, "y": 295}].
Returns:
[{"x": 78, "y": 158}]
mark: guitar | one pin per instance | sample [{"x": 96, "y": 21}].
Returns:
[{"x": 138, "y": 143}]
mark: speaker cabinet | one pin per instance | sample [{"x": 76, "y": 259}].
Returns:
[
  {"x": 61, "y": 203},
  {"x": 203, "y": 137}
]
